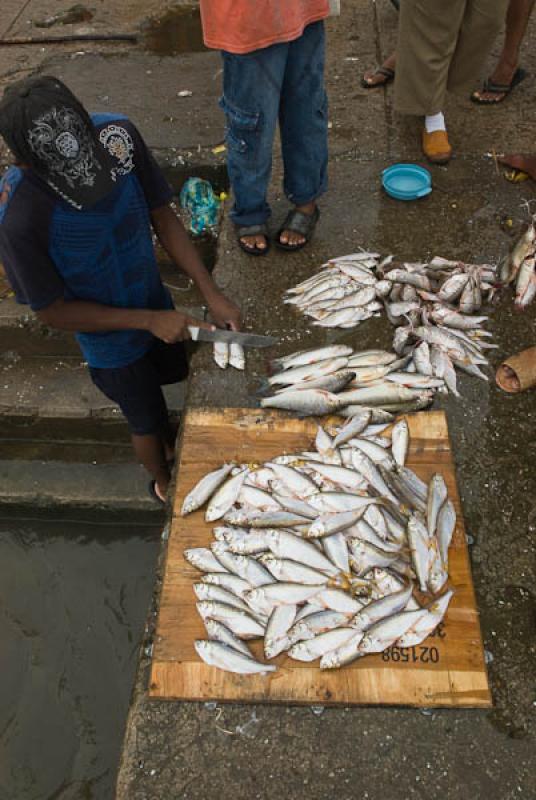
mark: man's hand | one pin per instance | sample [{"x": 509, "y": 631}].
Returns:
[
  {"x": 224, "y": 312},
  {"x": 172, "y": 326}
]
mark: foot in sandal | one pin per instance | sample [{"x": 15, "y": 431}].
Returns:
[
  {"x": 380, "y": 76},
  {"x": 253, "y": 239},
  {"x": 298, "y": 227}
]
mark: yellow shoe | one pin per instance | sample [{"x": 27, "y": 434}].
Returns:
[{"x": 436, "y": 147}]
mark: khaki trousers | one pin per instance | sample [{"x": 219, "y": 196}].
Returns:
[{"x": 442, "y": 46}]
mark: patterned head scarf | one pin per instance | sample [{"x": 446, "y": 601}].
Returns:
[{"x": 50, "y": 131}]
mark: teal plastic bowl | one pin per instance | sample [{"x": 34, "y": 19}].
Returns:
[{"x": 406, "y": 181}]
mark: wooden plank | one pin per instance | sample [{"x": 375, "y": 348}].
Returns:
[{"x": 446, "y": 670}]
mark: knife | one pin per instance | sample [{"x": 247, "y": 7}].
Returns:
[{"x": 231, "y": 337}]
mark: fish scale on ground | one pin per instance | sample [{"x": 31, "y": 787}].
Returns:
[{"x": 337, "y": 583}]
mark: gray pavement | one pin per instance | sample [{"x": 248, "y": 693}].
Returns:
[{"x": 175, "y": 750}]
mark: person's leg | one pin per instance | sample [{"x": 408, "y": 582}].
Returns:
[
  {"x": 136, "y": 388},
  {"x": 251, "y": 90},
  {"x": 427, "y": 35},
  {"x": 303, "y": 120},
  {"x": 150, "y": 452},
  {"x": 517, "y": 19},
  {"x": 482, "y": 22}
]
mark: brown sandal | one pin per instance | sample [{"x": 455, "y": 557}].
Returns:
[
  {"x": 387, "y": 74},
  {"x": 518, "y": 372}
]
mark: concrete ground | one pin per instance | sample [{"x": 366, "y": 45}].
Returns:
[{"x": 182, "y": 750}]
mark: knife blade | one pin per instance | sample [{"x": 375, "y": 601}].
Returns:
[{"x": 231, "y": 337}]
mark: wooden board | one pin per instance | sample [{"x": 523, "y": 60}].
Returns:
[{"x": 448, "y": 669}]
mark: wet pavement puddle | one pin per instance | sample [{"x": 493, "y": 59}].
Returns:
[{"x": 73, "y": 603}]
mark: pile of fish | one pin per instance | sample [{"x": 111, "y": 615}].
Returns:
[
  {"x": 353, "y": 288},
  {"x": 432, "y": 306},
  {"x": 229, "y": 355},
  {"x": 334, "y": 379},
  {"x": 519, "y": 266},
  {"x": 334, "y": 554}
]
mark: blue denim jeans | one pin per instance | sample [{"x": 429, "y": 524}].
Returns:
[{"x": 283, "y": 82}]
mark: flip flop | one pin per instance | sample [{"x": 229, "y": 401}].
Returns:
[
  {"x": 298, "y": 222},
  {"x": 498, "y": 88},
  {"x": 388, "y": 74},
  {"x": 253, "y": 230},
  {"x": 151, "y": 488},
  {"x": 518, "y": 372}
]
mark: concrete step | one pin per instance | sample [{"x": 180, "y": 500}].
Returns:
[
  {"x": 52, "y": 388},
  {"x": 56, "y": 484}
]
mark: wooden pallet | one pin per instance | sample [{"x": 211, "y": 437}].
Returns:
[{"x": 448, "y": 669}]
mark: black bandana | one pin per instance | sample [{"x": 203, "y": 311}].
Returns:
[{"x": 49, "y": 130}]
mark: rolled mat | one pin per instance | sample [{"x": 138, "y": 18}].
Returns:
[{"x": 518, "y": 372}]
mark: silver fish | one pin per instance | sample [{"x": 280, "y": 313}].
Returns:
[
  {"x": 220, "y": 655},
  {"x": 304, "y": 401},
  {"x": 221, "y": 354},
  {"x": 241, "y": 541},
  {"x": 524, "y": 248},
  {"x": 336, "y": 600},
  {"x": 225, "y": 497},
  {"x": 221, "y": 633},
  {"x": 419, "y": 544},
  {"x": 204, "y": 489},
  {"x": 250, "y": 518},
  {"x": 328, "y": 524},
  {"x": 289, "y": 571},
  {"x": 446, "y": 525},
  {"x": 285, "y": 593},
  {"x": 336, "y": 549},
  {"x": 299, "y": 484},
  {"x": 453, "y": 287},
  {"x": 276, "y": 638},
  {"x": 342, "y": 655},
  {"x": 526, "y": 283},
  {"x": 315, "y": 370},
  {"x": 353, "y": 427},
  {"x": 286, "y": 545},
  {"x": 312, "y": 356},
  {"x": 206, "y": 591},
  {"x": 421, "y": 357},
  {"x": 386, "y": 632},
  {"x": 203, "y": 559},
  {"x": 437, "y": 494},
  {"x": 317, "y": 623},
  {"x": 237, "y": 358},
  {"x": 257, "y": 498},
  {"x": 239, "y": 622},
  {"x": 379, "y": 609},
  {"x": 334, "y": 382},
  {"x": 364, "y": 556},
  {"x": 245, "y": 567},
  {"x": 400, "y": 440},
  {"x": 230, "y": 581},
  {"x": 423, "y": 625},
  {"x": 311, "y": 649}
]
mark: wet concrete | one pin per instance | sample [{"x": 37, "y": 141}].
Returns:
[
  {"x": 177, "y": 31},
  {"x": 72, "y": 612}
]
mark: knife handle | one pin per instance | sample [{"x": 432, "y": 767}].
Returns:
[{"x": 194, "y": 332}]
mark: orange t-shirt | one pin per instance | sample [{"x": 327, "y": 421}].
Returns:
[{"x": 241, "y": 26}]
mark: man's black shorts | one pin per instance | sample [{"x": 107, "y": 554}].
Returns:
[{"x": 136, "y": 387}]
